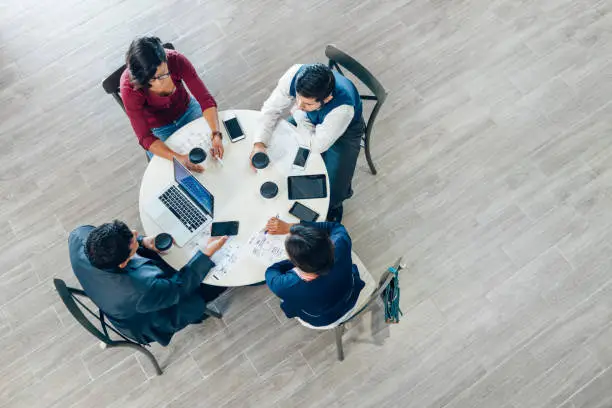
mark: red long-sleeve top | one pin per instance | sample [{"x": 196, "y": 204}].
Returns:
[{"x": 147, "y": 110}]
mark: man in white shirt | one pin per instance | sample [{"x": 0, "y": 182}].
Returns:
[{"x": 327, "y": 111}]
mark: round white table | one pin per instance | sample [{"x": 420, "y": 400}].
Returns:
[{"x": 235, "y": 187}]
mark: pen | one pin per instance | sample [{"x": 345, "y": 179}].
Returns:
[{"x": 219, "y": 160}]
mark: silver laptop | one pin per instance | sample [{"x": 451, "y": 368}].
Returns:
[{"x": 183, "y": 209}]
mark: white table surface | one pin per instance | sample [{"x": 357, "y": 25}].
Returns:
[{"x": 236, "y": 190}]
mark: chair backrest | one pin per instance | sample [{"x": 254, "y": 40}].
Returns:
[
  {"x": 76, "y": 307},
  {"x": 384, "y": 281},
  {"x": 112, "y": 82},
  {"x": 338, "y": 59},
  {"x": 67, "y": 295}
]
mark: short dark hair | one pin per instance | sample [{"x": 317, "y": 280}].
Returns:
[
  {"x": 315, "y": 81},
  {"x": 143, "y": 57},
  {"x": 108, "y": 245},
  {"x": 310, "y": 249}
]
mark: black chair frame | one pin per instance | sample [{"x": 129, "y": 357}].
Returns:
[
  {"x": 70, "y": 298},
  {"x": 338, "y": 59}
]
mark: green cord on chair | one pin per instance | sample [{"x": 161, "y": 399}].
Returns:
[{"x": 391, "y": 297}]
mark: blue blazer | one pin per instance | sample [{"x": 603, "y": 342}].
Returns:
[
  {"x": 147, "y": 301},
  {"x": 326, "y": 299}
]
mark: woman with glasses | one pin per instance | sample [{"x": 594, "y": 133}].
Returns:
[{"x": 154, "y": 92}]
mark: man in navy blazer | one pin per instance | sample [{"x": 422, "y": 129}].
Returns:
[
  {"x": 319, "y": 283},
  {"x": 142, "y": 296}
]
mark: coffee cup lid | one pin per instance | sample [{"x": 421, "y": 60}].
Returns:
[
  {"x": 197, "y": 155},
  {"x": 268, "y": 189},
  {"x": 163, "y": 241},
  {"x": 260, "y": 160}
]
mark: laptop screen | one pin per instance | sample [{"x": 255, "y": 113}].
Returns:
[{"x": 196, "y": 191}]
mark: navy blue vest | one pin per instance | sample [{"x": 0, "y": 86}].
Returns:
[{"x": 344, "y": 93}]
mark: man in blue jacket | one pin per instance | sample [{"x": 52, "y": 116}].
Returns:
[
  {"x": 142, "y": 296},
  {"x": 319, "y": 283}
]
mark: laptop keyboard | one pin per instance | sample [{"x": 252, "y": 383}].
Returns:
[{"x": 191, "y": 217}]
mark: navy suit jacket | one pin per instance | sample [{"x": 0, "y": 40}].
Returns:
[
  {"x": 147, "y": 301},
  {"x": 326, "y": 299}
]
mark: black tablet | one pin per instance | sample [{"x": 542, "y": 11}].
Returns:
[{"x": 304, "y": 187}]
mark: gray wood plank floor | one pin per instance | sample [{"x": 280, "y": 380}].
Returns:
[{"x": 494, "y": 184}]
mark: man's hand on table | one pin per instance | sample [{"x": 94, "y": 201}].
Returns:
[
  {"x": 213, "y": 245},
  {"x": 257, "y": 147},
  {"x": 184, "y": 159},
  {"x": 149, "y": 243},
  {"x": 275, "y": 226}
]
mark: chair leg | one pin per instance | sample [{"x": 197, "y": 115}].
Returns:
[
  {"x": 144, "y": 351},
  {"x": 212, "y": 313},
  {"x": 368, "y": 155},
  {"x": 338, "y": 331}
]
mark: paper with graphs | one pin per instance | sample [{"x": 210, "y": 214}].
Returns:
[
  {"x": 225, "y": 258},
  {"x": 267, "y": 248}
]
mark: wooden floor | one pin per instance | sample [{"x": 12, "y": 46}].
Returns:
[{"x": 495, "y": 184}]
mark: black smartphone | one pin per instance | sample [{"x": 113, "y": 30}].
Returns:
[
  {"x": 233, "y": 128},
  {"x": 220, "y": 229},
  {"x": 303, "y": 213},
  {"x": 301, "y": 157}
]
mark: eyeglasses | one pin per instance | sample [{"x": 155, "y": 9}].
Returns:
[{"x": 161, "y": 77}]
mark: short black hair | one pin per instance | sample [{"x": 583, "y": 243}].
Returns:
[
  {"x": 310, "y": 249},
  {"x": 108, "y": 245},
  {"x": 143, "y": 57},
  {"x": 315, "y": 81}
]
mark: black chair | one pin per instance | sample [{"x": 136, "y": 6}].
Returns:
[
  {"x": 112, "y": 82},
  {"x": 73, "y": 304},
  {"x": 338, "y": 58}
]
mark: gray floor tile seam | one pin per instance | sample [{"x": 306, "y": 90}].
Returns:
[
  {"x": 48, "y": 374},
  {"x": 214, "y": 372},
  {"x": 28, "y": 264},
  {"x": 282, "y": 323},
  {"x": 556, "y": 322},
  {"x": 527, "y": 343},
  {"x": 210, "y": 375},
  {"x": 566, "y": 258},
  {"x": 7, "y": 322},
  {"x": 87, "y": 370},
  {"x": 584, "y": 386},
  {"x": 72, "y": 28},
  {"x": 288, "y": 355},
  {"x": 532, "y": 262},
  {"x": 551, "y": 368},
  {"x": 253, "y": 365},
  {"x": 24, "y": 293},
  {"x": 29, "y": 10},
  {"x": 105, "y": 350},
  {"x": 575, "y": 126},
  {"x": 314, "y": 374},
  {"x": 425, "y": 378},
  {"x": 589, "y": 346},
  {"x": 197, "y": 366},
  {"x": 65, "y": 325}
]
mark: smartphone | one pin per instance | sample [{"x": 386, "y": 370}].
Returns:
[
  {"x": 220, "y": 229},
  {"x": 234, "y": 130},
  {"x": 302, "y": 212},
  {"x": 301, "y": 157}
]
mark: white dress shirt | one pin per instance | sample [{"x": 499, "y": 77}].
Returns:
[{"x": 318, "y": 138}]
